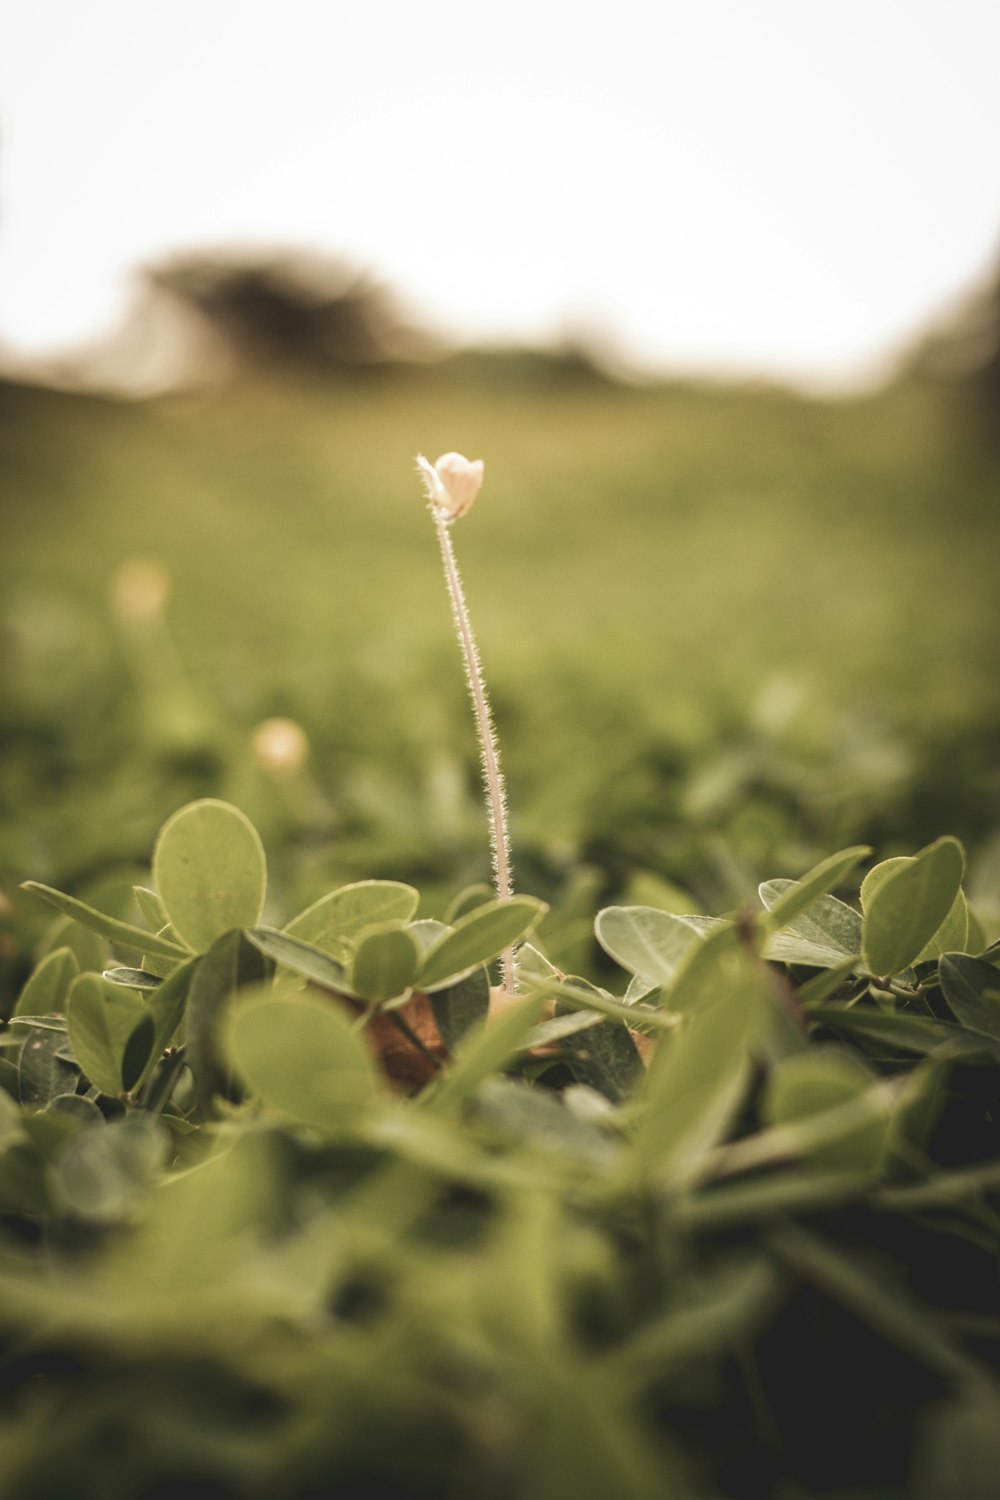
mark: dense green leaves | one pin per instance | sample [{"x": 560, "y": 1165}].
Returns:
[
  {"x": 210, "y": 871},
  {"x": 590, "y": 1202}
]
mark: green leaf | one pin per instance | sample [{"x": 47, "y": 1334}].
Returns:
[
  {"x": 605, "y": 1058},
  {"x": 645, "y": 940},
  {"x": 385, "y": 963},
  {"x": 467, "y": 900},
  {"x": 48, "y": 988},
  {"x": 122, "y": 933},
  {"x": 334, "y": 921},
  {"x": 799, "y": 895},
  {"x": 700, "y": 980},
  {"x": 460, "y": 1006},
  {"x": 427, "y": 931},
  {"x": 772, "y": 1195},
  {"x": 587, "y": 998},
  {"x": 821, "y": 986},
  {"x": 905, "y": 902},
  {"x": 111, "y": 1032},
  {"x": 76, "y": 1107},
  {"x": 167, "y": 1005},
  {"x": 152, "y": 908},
  {"x": 52, "y": 1022},
  {"x": 822, "y": 937},
  {"x": 712, "y": 1315},
  {"x": 210, "y": 871},
  {"x": 481, "y": 935},
  {"x": 972, "y": 990},
  {"x": 484, "y": 1050},
  {"x": 819, "y": 1080},
  {"x": 301, "y": 957},
  {"x": 953, "y": 934},
  {"x": 301, "y": 1056},
  {"x": 900, "y": 1032},
  {"x": 87, "y": 947},
  {"x": 698, "y": 1076},
  {"x": 42, "y": 1070},
  {"x": 133, "y": 979},
  {"x": 231, "y": 961}
]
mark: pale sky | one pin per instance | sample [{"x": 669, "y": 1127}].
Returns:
[{"x": 791, "y": 188}]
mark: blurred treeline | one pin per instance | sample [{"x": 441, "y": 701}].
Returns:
[{"x": 727, "y": 628}]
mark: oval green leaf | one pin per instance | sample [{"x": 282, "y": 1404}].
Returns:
[
  {"x": 210, "y": 872},
  {"x": 334, "y": 921},
  {"x": 301, "y": 1056},
  {"x": 905, "y": 904},
  {"x": 646, "y": 941},
  {"x": 385, "y": 963},
  {"x": 478, "y": 937},
  {"x": 823, "y": 937},
  {"x": 111, "y": 1032}
]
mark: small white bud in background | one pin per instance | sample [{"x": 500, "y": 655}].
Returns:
[
  {"x": 280, "y": 746},
  {"x": 452, "y": 483},
  {"x": 139, "y": 590}
]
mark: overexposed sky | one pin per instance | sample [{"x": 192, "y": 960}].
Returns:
[{"x": 781, "y": 187}]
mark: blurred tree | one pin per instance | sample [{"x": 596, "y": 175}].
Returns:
[{"x": 292, "y": 308}]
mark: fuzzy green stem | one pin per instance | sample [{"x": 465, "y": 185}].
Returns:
[{"x": 496, "y": 796}]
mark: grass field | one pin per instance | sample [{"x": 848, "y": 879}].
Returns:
[{"x": 725, "y": 630}]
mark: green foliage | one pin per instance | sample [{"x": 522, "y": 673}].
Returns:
[{"x": 574, "y": 1247}]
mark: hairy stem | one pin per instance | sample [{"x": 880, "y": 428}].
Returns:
[{"x": 496, "y": 796}]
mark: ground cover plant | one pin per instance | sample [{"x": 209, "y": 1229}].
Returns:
[{"x": 297, "y": 1199}]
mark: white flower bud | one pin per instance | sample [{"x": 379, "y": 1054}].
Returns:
[{"x": 452, "y": 483}]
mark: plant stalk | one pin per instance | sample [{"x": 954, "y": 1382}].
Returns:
[{"x": 493, "y": 781}]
